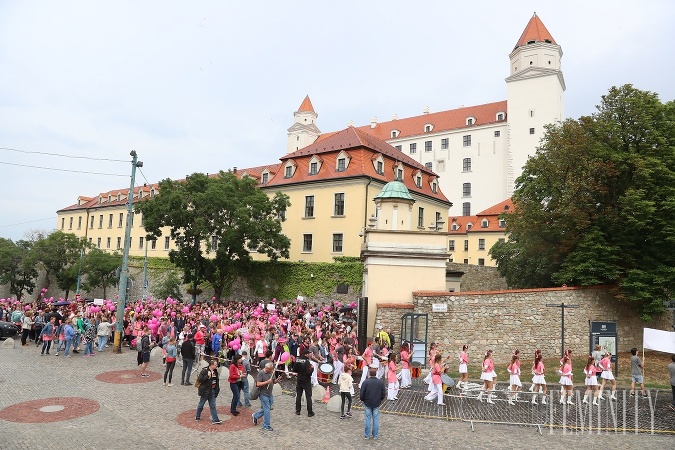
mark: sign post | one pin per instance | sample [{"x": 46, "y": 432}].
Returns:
[
  {"x": 605, "y": 335},
  {"x": 562, "y": 306}
]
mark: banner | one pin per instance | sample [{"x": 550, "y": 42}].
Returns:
[{"x": 659, "y": 340}]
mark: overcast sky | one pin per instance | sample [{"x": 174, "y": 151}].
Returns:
[{"x": 209, "y": 85}]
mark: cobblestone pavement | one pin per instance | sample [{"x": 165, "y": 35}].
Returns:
[{"x": 148, "y": 415}]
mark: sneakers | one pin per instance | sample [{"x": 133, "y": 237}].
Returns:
[
  {"x": 234, "y": 413},
  {"x": 216, "y": 422},
  {"x": 343, "y": 417},
  {"x": 255, "y": 421},
  {"x": 297, "y": 413},
  {"x": 197, "y": 419},
  {"x": 169, "y": 384},
  {"x": 57, "y": 354},
  {"x": 348, "y": 414},
  {"x": 268, "y": 429},
  {"x": 165, "y": 383}
]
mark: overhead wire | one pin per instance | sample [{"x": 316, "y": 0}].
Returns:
[
  {"x": 62, "y": 155},
  {"x": 63, "y": 170},
  {"x": 30, "y": 221}
]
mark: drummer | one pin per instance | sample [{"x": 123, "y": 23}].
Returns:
[{"x": 315, "y": 359}]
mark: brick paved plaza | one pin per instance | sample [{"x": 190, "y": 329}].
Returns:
[{"x": 100, "y": 402}]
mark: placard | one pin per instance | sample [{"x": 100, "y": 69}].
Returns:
[
  {"x": 439, "y": 307},
  {"x": 98, "y": 301}
]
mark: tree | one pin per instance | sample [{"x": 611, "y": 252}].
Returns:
[
  {"x": 16, "y": 268},
  {"x": 169, "y": 286},
  {"x": 596, "y": 204},
  {"x": 216, "y": 221},
  {"x": 99, "y": 268},
  {"x": 55, "y": 253}
]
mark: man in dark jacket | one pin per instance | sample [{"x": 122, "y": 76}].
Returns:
[
  {"x": 372, "y": 392},
  {"x": 187, "y": 352},
  {"x": 304, "y": 369},
  {"x": 209, "y": 389}
]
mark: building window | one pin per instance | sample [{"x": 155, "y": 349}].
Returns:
[
  {"x": 265, "y": 177},
  {"x": 119, "y": 242},
  {"x": 532, "y": 113},
  {"x": 306, "y": 242},
  {"x": 110, "y": 220},
  {"x": 153, "y": 244},
  {"x": 481, "y": 261},
  {"x": 466, "y": 261},
  {"x": 420, "y": 217},
  {"x": 289, "y": 172},
  {"x": 309, "y": 206},
  {"x": 500, "y": 116},
  {"x": 502, "y": 223},
  {"x": 466, "y": 190},
  {"x": 63, "y": 223},
  {"x": 107, "y": 243},
  {"x": 444, "y": 143},
  {"x": 531, "y": 130},
  {"x": 427, "y": 146},
  {"x": 466, "y": 165},
  {"x": 438, "y": 216},
  {"x": 141, "y": 242},
  {"x": 119, "y": 223},
  {"x": 466, "y": 140},
  {"x": 398, "y": 147},
  {"x": 469, "y": 121},
  {"x": 100, "y": 221},
  {"x": 399, "y": 174},
  {"x": 98, "y": 243},
  {"x": 79, "y": 222},
  {"x": 498, "y": 133},
  {"x": 337, "y": 243},
  {"x": 70, "y": 224},
  {"x": 481, "y": 244},
  {"x": 428, "y": 165},
  {"x": 91, "y": 225},
  {"x": 166, "y": 242},
  {"x": 394, "y": 133},
  {"x": 466, "y": 245},
  {"x": 418, "y": 181},
  {"x": 466, "y": 208},
  {"x": 469, "y": 226},
  {"x": 440, "y": 165},
  {"x": 451, "y": 245},
  {"x": 341, "y": 165},
  {"x": 434, "y": 187},
  {"x": 313, "y": 168},
  {"x": 413, "y": 148},
  {"x": 214, "y": 243},
  {"x": 484, "y": 223},
  {"x": 427, "y": 128},
  {"x": 340, "y": 204},
  {"x": 380, "y": 169}
]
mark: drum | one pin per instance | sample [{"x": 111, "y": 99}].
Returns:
[
  {"x": 416, "y": 369},
  {"x": 325, "y": 372},
  {"x": 447, "y": 382}
]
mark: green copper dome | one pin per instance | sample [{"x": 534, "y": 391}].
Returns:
[{"x": 395, "y": 189}]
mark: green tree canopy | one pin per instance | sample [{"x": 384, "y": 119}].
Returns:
[
  {"x": 16, "y": 267},
  {"x": 55, "y": 254},
  {"x": 99, "y": 269},
  {"x": 216, "y": 221},
  {"x": 596, "y": 204}
]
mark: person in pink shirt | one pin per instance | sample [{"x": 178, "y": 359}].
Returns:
[
  {"x": 566, "y": 381},
  {"x": 367, "y": 361},
  {"x": 436, "y": 371},
  {"x": 606, "y": 365},
  {"x": 514, "y": 378},
  {"x": 432, "y": 357},
  {"x": 200, "y": 341},
  {"x": 539, "y": 380},
  {"x": 487, "y": 375},
  {"x": 406, "y": 379},
  {"x": 392, "y": 379},
  {"x": 463, "y": 367},
  {"x": 591, "y": 380}
]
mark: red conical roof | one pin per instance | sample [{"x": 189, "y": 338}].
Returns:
[
  {"x": 535, "y": 31},
  {"x": 306, "y": 105}
]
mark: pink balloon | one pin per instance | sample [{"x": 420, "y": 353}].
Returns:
[
  {"x": 186, "y": 309},
  {"x": 112, "y": 307},
  {"x": 237, "y": 315},
  {"x": 228, "y": 328},
  {"x": 173, "y": 314},
  {"x": 247, "y": 336},
  {"x": 27, "y": 307},
  {"x": 284, "y": 357},
  {"x": 235, "y": 347}
]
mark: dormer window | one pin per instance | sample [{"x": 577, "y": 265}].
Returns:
[
  {"x": 152, "y": 193},
  {"x": 380, "y": 168},
  {"x": 500, "y": 116},
  {"x": 418, "y": 181},
  {"x": 395, "y": 134},
  {"x": 428, "y": 128},
  {"x": 342, "y": 162},
  {"x": 434, "y": 187},
  {"x": 289, "y": 172},
  {"x": 470, "y": 121},
  {"x": 502, "y": 223},
  {"x": 378, "y": 164},
  {"x": 341, "y": 165},
  {"x": 484, "y": 223},
  {"x": 315, "y": 165},
  {"x": 109, "y": 198},
  {"x": 469, "y": 226},
  {"x": 264, "y": 178},
  {"x": 454, "y": 227},
  {"x": 398, "y": 172},
  {"x": 119, "y": 197}
]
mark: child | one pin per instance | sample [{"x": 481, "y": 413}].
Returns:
[
  {"x": 514, "y": 378},
  {"x": 566, "y": 381},
  {"x": 406, "y": 379},
  {"x": 539, "y": 380},
  {"x": 487, "y": 375},
  {"x": 606, "y": 375},
  {"x": 463, "y": 367},
  {"x": 345, "y": 382},
  {"x": 436, "y": 385},
  {"x": 392, "y": 391},
  {"x": 591, "y": 380}
]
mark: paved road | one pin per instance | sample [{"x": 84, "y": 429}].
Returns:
[{"x": 146, "y": 416}]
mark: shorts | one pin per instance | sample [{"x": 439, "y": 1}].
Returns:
[
  {"x": 146, "y": 357},
  {"x": 637, "y": 378},
  {"x": 463, "y": 368}
]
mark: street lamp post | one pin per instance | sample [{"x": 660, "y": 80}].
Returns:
[
  {"x": 124, "y": 272},
  {"x": 79, "y": 272},
  {"x": 562, "y": 306}
]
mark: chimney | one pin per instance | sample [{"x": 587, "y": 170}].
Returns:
[
  {"x": 373, "y": 122},
  {"x": 234, "y": 169},
  {"x": 425, "y": 110},
  {"x": 394, "y": 117}
]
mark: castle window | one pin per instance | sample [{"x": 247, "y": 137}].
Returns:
[
  {"x": 313, "y": 168},
  {"x": 451, "y": 245},
  {"x": 428, "y": 128},
  {"x": 481, "y": 244},
  {"x": 413, "y": 148},
  {"x": 444, "y": 143},
  {"x": 469, "y": 226},
  {"x": 466, "y": 165},
  {"x": 466, "y": 208},
  {"x": 481, "y": 261},
  {"x": 466, "y": 245},
  {"x": 395, "y": 133},
  {"x": 427, "y": 146},
  {"x": 420, "y": 217},
  {"x": 428, "y": 165},
  {"x": 309, "y": 206},
  {"x": 265, "y": 178},
  {"x": 498, "y": 133},
  {"x": 398, "y": 147},
  {"x": 337, "y": 242},
  {"x": 341, "y": 165},
  {"x": 502, "y": 223},
  {"x": 484, "y": 223},
  {"x": 466, "y": 140},
  {"x": 418, "y": 181},
  {"x": 307, "y": 243},
  {"x": 466, "y": 190},
  {"x": 380, "y": 169},
  {"x": 531, "y": 130},
  {"x": 500, "y": 116}
]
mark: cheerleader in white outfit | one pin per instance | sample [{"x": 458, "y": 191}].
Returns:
[
  {"x": 487, "y": 375},
  {"x": 436, "y": 383},
  {"x": 432, "y": 357},
  {"x": 591, "y": 381},
  {"x": 406, "y": 379},
  {"x": 566, "y": 381},
  {"x": 539, "y": 381},
  {"x": 537, "y": 352},
  {"x": 514, "y": 378},
  {"x": 606, "y": 365},
  {"x": 463, "y": 367}
]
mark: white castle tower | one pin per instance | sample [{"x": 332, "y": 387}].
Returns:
[{"x": 304, "y": 131}]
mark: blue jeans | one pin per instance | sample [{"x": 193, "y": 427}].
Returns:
[
  {"x": 69, "y": 342},
  {"x": 76, "y": 340},
  {"x": 247, "y": 400},
  {"x": 88, "y": 348},
  {"x": 372, "y": 414},
  {"x": 212, "y": 406},
  {"x": 101, "y": 342},
  {"x": 266, "y": 403},
  {"x": 235, "y": 396}
]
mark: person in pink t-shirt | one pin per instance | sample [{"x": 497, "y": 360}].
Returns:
[
  {"x": 566, "y": 381},
  {"x": 514, "y": 378},
  {"x": 591, "y": 380},
  {"x": 436, "y": 371},
  {"x": 463, "y": 367},
  {"x": 539, "y": 380},
  {"x": 488, "y": 376},
  {"x": 406, "y": 379},
  {"x": 606, "y": 365},
  {"x": 392, "y": 379}
]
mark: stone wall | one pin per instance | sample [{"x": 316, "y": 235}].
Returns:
[
  {"x": 478, "y": 278},
  {"x": 389, "y": 316},
  {"x": 505, "y": 320}
]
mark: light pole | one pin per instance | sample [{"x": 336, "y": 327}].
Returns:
[
  {"x": 79, "y": 272},
  {"x": 145, "y": 271},
  {"x": 124, "y": 272},
  {"x": 562, "y": 306}
]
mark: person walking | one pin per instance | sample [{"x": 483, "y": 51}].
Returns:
[
  {"x": 47, "y": 335},
  {"x": 304, "y": 369},
  {"x": 102, "y": 333},
  {"x": 671, "y": 370},
  {"x": 636, "y": 373},
  {"x": 26, "y": 326},
  {"x": 463, "y": 367},
  {"x": 145, "y": 351},
  {"x": 345, "y": 383},
  {"x": 606, "y": 364},
  {"x": 591, "y": 381},
  {"x": 187, "y": 352},
  {"x": 236, "y": 382},
  {"x": 372, "y": 393},
  {"x": 89, "y": 337},
  {"x": 171, "y": 355},
  {"x": 265, "y": 382},
  {"x": 69, "y": 333},
  {"x": 246, "y": 364},
  {"x": 209, "y": 388}
]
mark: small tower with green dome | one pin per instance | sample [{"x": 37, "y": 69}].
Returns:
[{"x": 394, "y": 207}]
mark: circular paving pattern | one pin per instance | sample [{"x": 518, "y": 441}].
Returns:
[
  {"x": 230, "y": 423},
  {"x": 55, "y": 409},
  {"x": 127, "y": 377}
]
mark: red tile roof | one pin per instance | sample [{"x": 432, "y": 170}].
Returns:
[
  {"x": 256, "y": 172},
  {"x": 92, "y": 202},
  {"x": 306, "y": 105},
  {"x": 491, "y": 214},
  {"x": 535, "y": 31},
  {"x": 496, "y": 210},
  {"x": 441, "y": 121}
]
